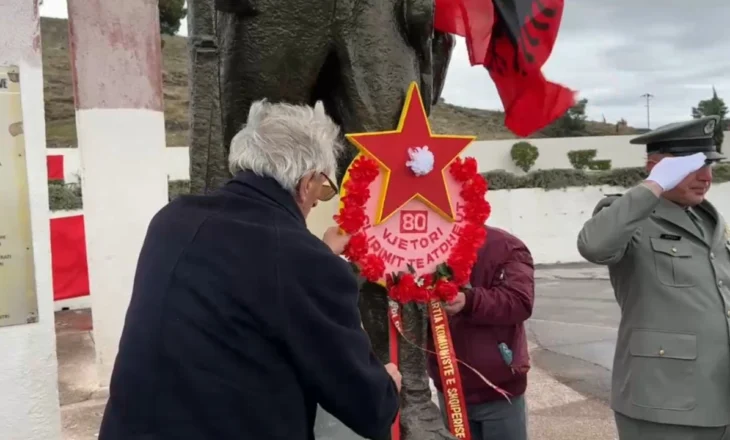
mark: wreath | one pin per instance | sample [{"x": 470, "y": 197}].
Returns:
[{"x": 445, "y": 282}]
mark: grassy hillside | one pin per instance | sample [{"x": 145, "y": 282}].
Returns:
[{"x": 61, "y": 127}]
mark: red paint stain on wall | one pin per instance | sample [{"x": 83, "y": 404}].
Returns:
[{"x": 116, "y": 54}]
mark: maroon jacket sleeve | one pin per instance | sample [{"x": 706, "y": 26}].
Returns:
[{"x": 506, "y": 293}]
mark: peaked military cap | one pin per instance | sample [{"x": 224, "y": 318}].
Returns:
[{"x": 683, "y": 138}]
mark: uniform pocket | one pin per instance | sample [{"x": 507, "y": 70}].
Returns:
[
  {"x": 673, "y": 262},
  {"x": 663, "y": 370}
]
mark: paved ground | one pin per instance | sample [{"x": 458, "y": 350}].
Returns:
[
  {"x": 574, "y": 325},
  {"x": 572, "y": 338}
]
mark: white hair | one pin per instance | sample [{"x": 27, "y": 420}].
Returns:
[{"x": 286, "y": 142}]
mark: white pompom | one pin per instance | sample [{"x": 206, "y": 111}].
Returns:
[{"x": 421, "y": 162}]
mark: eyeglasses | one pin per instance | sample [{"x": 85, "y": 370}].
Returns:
[{"x": 328, "y": 190}]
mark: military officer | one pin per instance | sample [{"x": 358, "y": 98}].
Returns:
[{"x": 668, "y": 254}]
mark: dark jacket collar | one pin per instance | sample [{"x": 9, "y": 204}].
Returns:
[{"x": 248, "y": 183}]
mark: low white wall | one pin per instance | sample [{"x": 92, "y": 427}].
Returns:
[
  {"x": 491, "y": 155},
  {"x": 549, "y": 221},
  {"x": 495, "y": 155}
]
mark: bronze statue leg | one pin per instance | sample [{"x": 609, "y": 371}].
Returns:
[
  {"x": 381, "y": 46},
  {"x": 276, "y": 52}
]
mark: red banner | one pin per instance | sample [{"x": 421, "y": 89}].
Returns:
[
  {"x": 54, "y": 163},
  {"x": 68, "y": 256},
  {"x": 68, "y": 246},
  {"x": 449, "y": 372},
  {"x": 393, "y": 339}
]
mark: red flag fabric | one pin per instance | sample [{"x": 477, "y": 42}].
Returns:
[
  {"x": 472, "y": 19},
  {"x": 54, "y": 163},
  {"x": 68, "y": 258},
  {"x": 512, "y": 39}
]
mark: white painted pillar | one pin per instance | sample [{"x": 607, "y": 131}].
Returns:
[
  {"x": 29, "y": 408},
  {"x": 116, "y": 65}
]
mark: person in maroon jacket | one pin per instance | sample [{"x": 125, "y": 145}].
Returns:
[{"x": 488, "y": 330}]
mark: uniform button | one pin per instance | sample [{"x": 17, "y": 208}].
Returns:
[
  {"x": 728, "y": 313},
  {"x": 661, "y": 352},
  {"x": 712, "y": 255},
  {"x": 674, "y": 250},
  {"x": 719, "y": 283}
]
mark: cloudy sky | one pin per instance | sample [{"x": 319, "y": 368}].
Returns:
[{"x": 612, "y": 52}]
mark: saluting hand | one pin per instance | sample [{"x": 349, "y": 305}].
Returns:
[{"x": 670, "y": 171}]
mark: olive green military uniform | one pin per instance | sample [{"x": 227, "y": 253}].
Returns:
[{"x": 670, "y": 270}]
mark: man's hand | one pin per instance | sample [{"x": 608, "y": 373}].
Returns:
[
  {"x": 394, "y": 374},
  {"x": 670, "y": 171},
  {"x": 455, "y": 306},
  {"x": 336, "y": 240}
]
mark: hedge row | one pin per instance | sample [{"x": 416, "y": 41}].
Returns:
[
  {"x": 564, "y": 178},
  {"x": 68, "y": 196}
]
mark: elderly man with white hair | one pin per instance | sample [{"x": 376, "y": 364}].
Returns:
[{"x": 241, "y": 321}]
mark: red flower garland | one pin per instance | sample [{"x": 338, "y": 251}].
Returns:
[{"x": 450, "y": 277}]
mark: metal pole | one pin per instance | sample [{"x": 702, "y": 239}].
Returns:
[{"x": 648, "y": 97}]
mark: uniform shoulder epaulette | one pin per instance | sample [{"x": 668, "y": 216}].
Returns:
[{"x": 606, "y": 202}]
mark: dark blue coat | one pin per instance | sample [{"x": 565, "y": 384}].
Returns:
[{"x": 241, "y": 321}]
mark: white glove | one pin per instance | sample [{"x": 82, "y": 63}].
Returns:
[{"x": 669, "y": 171}]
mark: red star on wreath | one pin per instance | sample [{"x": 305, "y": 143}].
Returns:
[{"x": 393, "y": 149}]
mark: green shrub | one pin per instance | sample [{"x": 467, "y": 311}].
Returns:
[
  {"x": 64, "y": 196},
  {"x": 67, "y": 196},
  {"x": 524, "y": 155},
  {"x": 600, "y": 165},
  {"x": 564, "y": 178},
  {"x": 580, "y": 159},
  {"x": 721, "y": 173}
]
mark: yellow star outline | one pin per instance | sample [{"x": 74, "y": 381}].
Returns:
[{"x": 413, "y": 88}]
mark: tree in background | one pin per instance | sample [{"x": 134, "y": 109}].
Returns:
[
  {"x": 171, "y": 13},
  {"x": 572, "y": 123},
  {"x": 709, "y": 107}
]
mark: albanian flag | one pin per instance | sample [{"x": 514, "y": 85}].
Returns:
[{"x": 512, "y": 39}]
